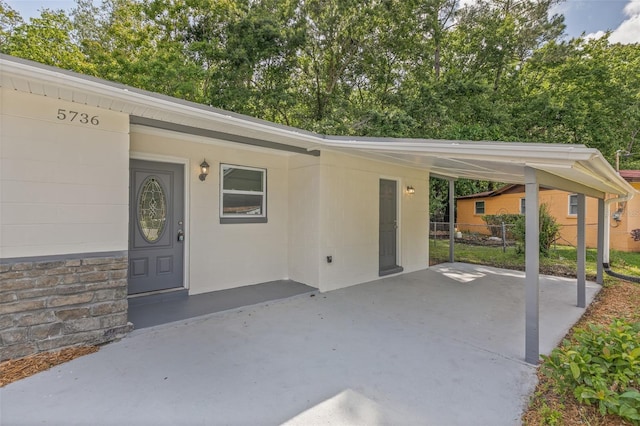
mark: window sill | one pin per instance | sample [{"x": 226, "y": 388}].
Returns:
[{"x": 227, "y": 220}]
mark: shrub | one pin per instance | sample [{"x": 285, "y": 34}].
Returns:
[
  {"x": 549, "y": 230},
  {"x": 494, "y": 223},
  {"x": 601, "y": 367}
]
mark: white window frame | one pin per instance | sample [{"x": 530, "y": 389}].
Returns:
[
  {"x": 484, "y": 207},
  {"x": 243, "y": 218},
  {"x": 572, "y": 204},
  {"x": 523, "y": 205}
]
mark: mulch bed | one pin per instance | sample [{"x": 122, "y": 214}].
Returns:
[
  {"x": 16, "y": 369},
  {"x": 619, "y": 300}
]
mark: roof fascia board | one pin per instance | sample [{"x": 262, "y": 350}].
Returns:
[
  {"x": 197, "y": 131},
  {"x": 556, "y": 154},
  {"x": 599, "y": 169},
  {"x": 602, "y": 168},
  {"x": 554, "y": 181}
]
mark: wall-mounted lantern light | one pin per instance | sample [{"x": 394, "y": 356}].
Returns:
[
  {"x": 204, "y": 170},
  {"x": 617, "y": 215},
  {"x": 411, "y": 190}
]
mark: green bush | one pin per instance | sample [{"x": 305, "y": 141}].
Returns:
[
  {"x": 601, "y": 367},
  {"x": 549, "y": 230},
  {"x": 494, "y": 223}
]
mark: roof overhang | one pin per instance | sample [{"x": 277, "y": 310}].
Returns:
[
  {"x": 569, "y": 167},
  {"x": 573, "y": 168},
  {"x": 31, "y": 77}
]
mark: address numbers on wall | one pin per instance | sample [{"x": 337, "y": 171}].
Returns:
[{"x": 77, "y": 117}]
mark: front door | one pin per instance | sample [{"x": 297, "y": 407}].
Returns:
[
  {"x": 156, "y": 226},
  {"x": 388, "y": 227}
]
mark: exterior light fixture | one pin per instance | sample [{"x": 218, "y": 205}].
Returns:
[
  {"x": 204, "y": 170},
  {"x": 617, "y": 215},
  {"x": 411, "y": 190}
]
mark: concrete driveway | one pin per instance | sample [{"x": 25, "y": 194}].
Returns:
[{"x": 444, "y": 346}]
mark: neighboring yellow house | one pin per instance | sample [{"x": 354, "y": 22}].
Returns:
[{"x": 624, "y": 217}]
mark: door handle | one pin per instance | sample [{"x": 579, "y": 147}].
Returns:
[{"x": 180, "y": 235}]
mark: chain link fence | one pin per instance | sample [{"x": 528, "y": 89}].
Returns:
[
  {"x": 497, "y": 238},
  {"x": 474, "y": 233},
  {"x": 495, "y": 245}
]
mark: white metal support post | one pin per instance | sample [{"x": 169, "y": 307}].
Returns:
[
  {"x": 452, "y": 219},
  {"x": 582, "y": 252},
  {"x": 600, "y": 244},
  {"x": 532, "y": 266}
]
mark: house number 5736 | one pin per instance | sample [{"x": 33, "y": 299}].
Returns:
[{"x": 76, "y": 116}]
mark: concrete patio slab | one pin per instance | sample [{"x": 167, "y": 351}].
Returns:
[{"x": 444, "y": 346}]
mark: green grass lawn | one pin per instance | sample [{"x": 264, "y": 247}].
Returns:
[{"x": 561, "y": 260}]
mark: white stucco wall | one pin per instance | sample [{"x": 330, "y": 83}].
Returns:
[
  {"x": 224, "y": 256},
  {"x": 64, "y": 183},
  {"x": 317, "y": 207},
  {"x": 65, "y": 190},
  {"x": 349, "y": 225},
  {"x": 304, "y": 219}
]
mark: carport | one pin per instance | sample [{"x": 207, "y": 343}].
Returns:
[
  {"x": 440, "y": 346},
  {"x": 573, "y": 168}
]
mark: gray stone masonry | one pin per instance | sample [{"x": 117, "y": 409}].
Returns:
[{"x": 49, "y": 305}]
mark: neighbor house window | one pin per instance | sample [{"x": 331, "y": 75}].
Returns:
[
  {"x": 523, "y": 205},
  {"x": 479, "y": 207},
  {"x": 573, "y": 204},
  {"x": 243, "y": 194}
]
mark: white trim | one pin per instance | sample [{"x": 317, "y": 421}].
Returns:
[
  {"x": 569, "y": 205},
  {"x": 135, "y": 155},
  {"x": 223, "y": 191}
]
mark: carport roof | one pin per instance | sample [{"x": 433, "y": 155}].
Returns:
[
  {"x": 559, "y": 165},
  {"x": 569, "y": 167}
]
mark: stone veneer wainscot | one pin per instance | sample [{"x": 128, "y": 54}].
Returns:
[{"x": 57, "y": 302}]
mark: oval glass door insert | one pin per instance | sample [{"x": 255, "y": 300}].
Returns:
[{"x": 152, "y": 210}]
